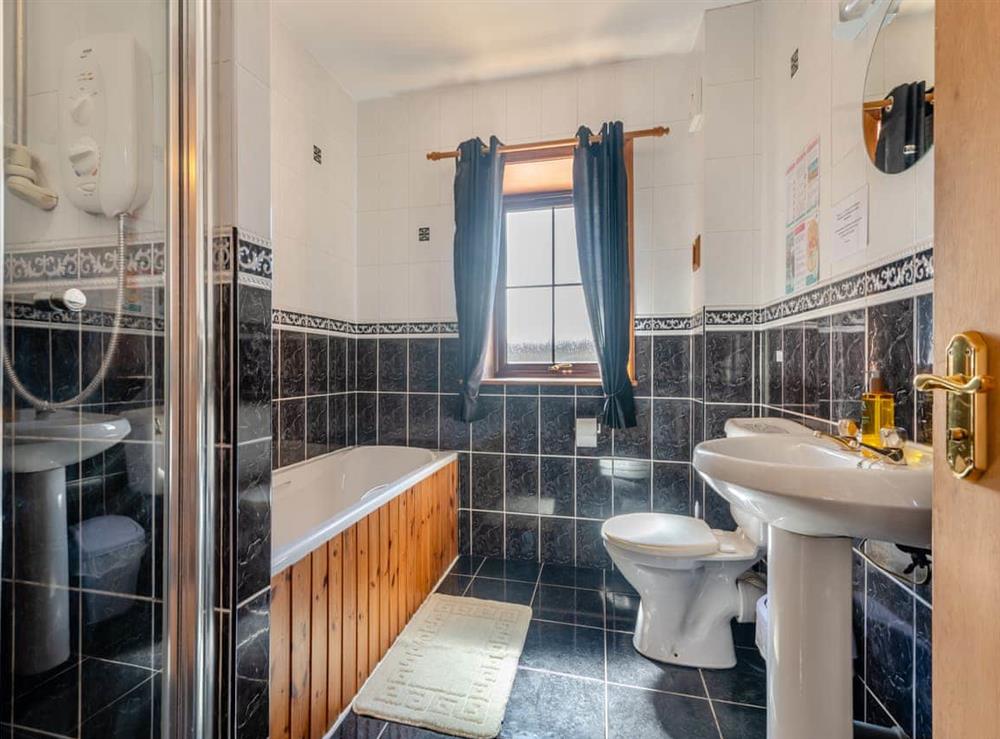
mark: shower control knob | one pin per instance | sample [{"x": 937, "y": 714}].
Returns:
[
  {"x": 81, "y": 108},
  {"x": 74, "y": 299}
]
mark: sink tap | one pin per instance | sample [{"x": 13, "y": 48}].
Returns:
[{"x": 891, "y": 450}]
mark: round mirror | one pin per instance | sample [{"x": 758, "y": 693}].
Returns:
[{"x": 897, "y": 115}]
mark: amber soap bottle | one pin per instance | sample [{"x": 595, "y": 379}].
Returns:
[{"x": 877, "y": 409}]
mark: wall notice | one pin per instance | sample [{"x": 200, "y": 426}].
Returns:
[
  {"x": 850, "y": 224},
  {"x": 802, "y": 219}
]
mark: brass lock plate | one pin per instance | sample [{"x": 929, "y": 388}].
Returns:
[{"x": 966, "y": 412}]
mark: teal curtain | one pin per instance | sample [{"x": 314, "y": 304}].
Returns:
[
  {"x": 478, "y": 224},
  {"x": 600, "y": 201}
]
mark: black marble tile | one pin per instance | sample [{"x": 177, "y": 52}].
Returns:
[
  {"x": 506, "y": 569},
  {"x": 487, "y": 432},
  {"x": 530, "y": 711},
  {"x": 645, "y": 714},
  {"x": 816, "y": 351},
  {"x": 593, "y": 488},
  {"x": 571, "y": 650},
  {"x": 337, "y": 420},
  {"x": 467, "y": 565},
  {"x": 741, "y": 722},
  {"x": 464, "y": 480},
  {"x": 643, "y": 367},
  {"x": 292, "y": 431},
  {"x": 698, "y": 364},
  {"x": 923, "y": 362},
  {"x": 793, "y": 369},
  {"x": 521, "y": 483},
  {"x": 487, "y": 482},
  {"x": 352, "y": 364},
  {"x": 848, "y": 364},
  {"x": 253, "y": 518},
  {"x": 672, "y": 488},
  {"x": 890, "y": 348},
  {"x": 728, "y": 366},
  {"x": 367, "y": 364},
  {"x": 744, "y": 683},
  {"x": 505, "y": 591},
  {"x": 392, "y": 365},
  {"x": 451, "y": 370},
  {"x": 671, "y": 430},
  {"x": 487, "y": 534},
  {"x": 621, "y": 610},
  {"x": 590, "y": 407},
  {"x": 338, "y": 364},
  {"x": 590, "y": 551},
  {"x": 317, "y": 426},
  {"x": 631, "y": 486},
  {"x": 889, "y": 645},
  {"x": 717, "y": 415},
  {"x": 556, "y": 481},
  {"x": 628, "y": 667},
  {"x": 102, "y": 683},
  {"x": 392, "y": 419},
  {"x": 454, "y": 585},
  {"x": 423, "y": 425},
  {"x": 367, "y": 418},
  {"x": 521, "y": 534},
  {"x": 317, "y": 365},
  {"x": 359, "y": 727},
  {"x": 423, "y": 365},
  {"x": 572, "y": 577},
  {"x": 568, "y": 605},
  {"x": 522, "y": 425},
  {"x": 771, "y": 366},
  {"x": 635, "y": 441},
  {"x": 615, "y": 582},
  {"x": 130, "y": 715},
  {"x": 672, "y": 366},
  {"x": 125, "y": 637},
  {"x": 922, "y": 718},
  {"x": 293, "y": 364},
  {"x": 556, "y": 540},
  {"x": 455, "y": 433},
  {"x": 130, "y": 377},
  {"x": 557, "y": 425}
]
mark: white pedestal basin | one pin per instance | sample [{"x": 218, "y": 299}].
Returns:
[
  {"x": 816, "y": 496},
  {"x": 37, "y": 450}
]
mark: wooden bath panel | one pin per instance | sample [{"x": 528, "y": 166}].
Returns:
[{"x": 336, "y": 612}]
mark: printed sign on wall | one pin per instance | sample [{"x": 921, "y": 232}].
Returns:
[{"x": 802, "y": 219}]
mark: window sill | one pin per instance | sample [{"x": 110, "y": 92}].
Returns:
[{"x": 561, "y": 380}]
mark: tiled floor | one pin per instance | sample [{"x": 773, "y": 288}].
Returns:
[{"x": 579, "y": 675}]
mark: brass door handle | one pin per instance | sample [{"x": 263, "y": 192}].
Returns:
[
  {"x": 960, "y": 384},
  {"x": 966, "y": 430}
]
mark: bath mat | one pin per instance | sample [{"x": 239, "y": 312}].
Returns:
[{"x": 451, "y": 669}]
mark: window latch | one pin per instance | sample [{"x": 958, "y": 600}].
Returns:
[{"x": 562, "y": 368}]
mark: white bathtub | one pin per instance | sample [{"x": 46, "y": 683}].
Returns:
[{"x": 313, "y": 501}]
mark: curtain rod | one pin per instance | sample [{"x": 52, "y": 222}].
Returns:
[{"x": 556, "y": 144}]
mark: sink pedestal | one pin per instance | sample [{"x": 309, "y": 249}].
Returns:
[
  {"x": 809, "y": 628},
  {"x": 41, "y": 555}
]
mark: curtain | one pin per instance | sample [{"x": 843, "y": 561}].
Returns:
[
  {"x": 600, "y": 201},
  {"x": 478, "y": 222},
  {"x": 907, "y": 129}
]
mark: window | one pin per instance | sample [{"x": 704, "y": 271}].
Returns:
[{"x": 541, "y": 327}]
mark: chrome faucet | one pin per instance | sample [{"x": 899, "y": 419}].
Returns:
[{"x": 891, "y": 450}]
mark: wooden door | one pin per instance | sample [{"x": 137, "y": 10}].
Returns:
[{"x": 966, "y": 620}]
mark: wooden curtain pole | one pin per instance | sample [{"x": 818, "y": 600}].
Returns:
[
  {"x": 557, "y": 144},
  {"x": 880, "y": 104}
]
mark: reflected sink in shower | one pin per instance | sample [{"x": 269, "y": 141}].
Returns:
[{"x": 48, "y": 441}]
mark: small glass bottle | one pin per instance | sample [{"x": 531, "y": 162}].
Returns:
[{"x": 877, "y": 409}]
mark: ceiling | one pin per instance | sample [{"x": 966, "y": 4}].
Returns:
[{"x": 376, "y": 48}]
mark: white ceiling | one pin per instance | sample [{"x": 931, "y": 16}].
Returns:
[{"x": 382, "y": 47}]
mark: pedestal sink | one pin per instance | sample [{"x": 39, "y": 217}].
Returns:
[
  {"x": 38, "y": 448},
  {"x": 816, "y": 496}
]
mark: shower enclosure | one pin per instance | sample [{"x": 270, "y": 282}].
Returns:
[{"x": 107, "y": 536}]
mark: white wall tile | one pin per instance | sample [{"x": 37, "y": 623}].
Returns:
[
  {"x": 425, "y": 291},
  {"x": 456, "y": 116},
  {"x": 729, "y": 262},
  {"x": 729, "y": 193},
  {"x": 729, "y": 44},
  {"x": 253, "y": 161},
  {"x": 524, "y": 111},
  {"x": 675, "y": 212},
  {"x": 394, "y": 292},
  {"x": 672, "y": 281},
  {"x": 490, "y": 111},
  {"x": 729, "y": 116},
  {"x": 559, "y": 105}
]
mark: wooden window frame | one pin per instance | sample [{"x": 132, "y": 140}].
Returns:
[{"x": 500, "y": 370}]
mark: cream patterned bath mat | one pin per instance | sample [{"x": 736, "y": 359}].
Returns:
[{"x": 451, "y": 669}]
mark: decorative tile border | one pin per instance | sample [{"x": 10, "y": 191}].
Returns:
[
  {"x": 29, "y": 313},
  {"x": 658, "y": 324},
  {"x": 75, "y": 266}
]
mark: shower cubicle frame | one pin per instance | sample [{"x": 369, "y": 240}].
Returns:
[{"x": 188, "y": 637}]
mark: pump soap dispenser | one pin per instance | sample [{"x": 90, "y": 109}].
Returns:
[{"x": 877, "y": 409}]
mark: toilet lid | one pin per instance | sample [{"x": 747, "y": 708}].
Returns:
[{"x": 661, "y": 533}]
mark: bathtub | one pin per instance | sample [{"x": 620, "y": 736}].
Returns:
[{"x": 313, "y": 501}]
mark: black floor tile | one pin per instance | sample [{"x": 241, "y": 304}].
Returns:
[
  {"x": 530, "y": 711},
  {"x": 507, "y": 591},
  {"x": 745, "y": 683},
  {"x": 573, "y": 650},
  {"x": 741, "y": 722},
  {"x": 745, "y": 635},
  {"x": 573, "y": 577},
  {"x": 510, "y": 570},
  {"x": 569, "y": 605},
  {"x": 358, "y": 727},
  {"x": 402, "y": 731},
  {"x": 645, "y": 714},
  {"x": 102, "y": 683},
  {"x": 466, "y": 565},
  {"x": 128, "y": 716},
  {"x": 615, "y": 582},
  {"x": 628, "y": 667},
  {"x": 621, "y": 611},
  {"x": 454, "y": 584}
]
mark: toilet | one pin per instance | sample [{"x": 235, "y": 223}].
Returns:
[{"x": 688, "y": 575}]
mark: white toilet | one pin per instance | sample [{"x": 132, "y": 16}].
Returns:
[{"x": 688, "y": 575}]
